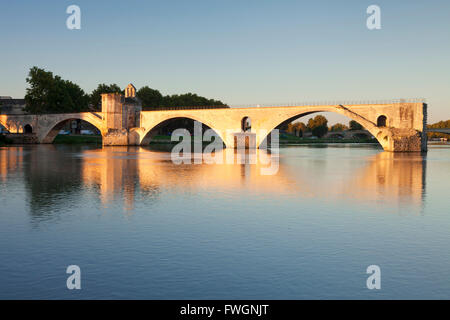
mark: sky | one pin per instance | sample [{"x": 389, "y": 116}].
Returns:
[{"x": 241, "y": 52}]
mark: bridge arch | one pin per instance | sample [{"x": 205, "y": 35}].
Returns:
[
  {"x": 27, "y": 129},
  {"x": 381, "y": 121},
  {"x": 11, "y": 125},
  {"x": 49, "y": 131},
  {"x": 382, "y": 134},
  {"x": 246, "y": 124},
  {"x": 3, "y": 125},
  {"x": 150, "y": 132}
]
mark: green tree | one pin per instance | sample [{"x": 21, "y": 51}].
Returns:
[
  {"x": 301, "y": 126},
  {"x": 149, "y": 97},
  {"x": 96, "y": 95},
  {"x": 318, "y": 125},
  {"x": 77, "y": 96},
  {"x": 354, "y": 125},
  {"x": 189, "y": 100},
  {"x": 51, "y": 94},
  {"x": 153, "y": 99},
  {"x": 439, "y": 125},
  {"x": 338, "y": 127}
]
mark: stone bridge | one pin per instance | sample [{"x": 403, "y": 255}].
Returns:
[
  {"x": 348, "y": 134},
  {"x": 398, "y": 126},
  {"x": 444, "y": 130}
]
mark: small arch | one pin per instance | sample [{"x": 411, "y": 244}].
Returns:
[
  {"x": 246, "y": 124},
  {"x": 381, "y": 121},
  {"x": 28, "y": 129}
]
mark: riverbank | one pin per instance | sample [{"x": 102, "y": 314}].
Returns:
[
  {"x": 160, "y": 139},
  {"x": 78, "y": 139},
  {"x": 287, "y": 139},
  {"x": 4, "y": 140}
]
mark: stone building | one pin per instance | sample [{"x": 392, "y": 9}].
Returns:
[
  {"x": 9, "y": 105},
  {"x": 121, "y": 114},
  {"x": 130, "y": 91}
]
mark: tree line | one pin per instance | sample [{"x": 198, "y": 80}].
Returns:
[
  {"x": 48, "y": 93},
  {"x": 439, "y": 125},
  {"x": 318, "y": 126}
]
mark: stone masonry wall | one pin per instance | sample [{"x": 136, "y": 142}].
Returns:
[{"x": 116, "y": 137}]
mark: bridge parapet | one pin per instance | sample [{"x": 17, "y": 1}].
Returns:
[{"x": 436, "y": 130}]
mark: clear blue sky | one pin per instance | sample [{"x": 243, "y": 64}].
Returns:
[{"x": 241, "y": 52}]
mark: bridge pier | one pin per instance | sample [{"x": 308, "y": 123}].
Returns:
[
  {"x": 122, "y": 117},
  {"x": 402, "y": 140},
  {"x": 122, "y": 137},
  {"x": 244, "y": 140}
]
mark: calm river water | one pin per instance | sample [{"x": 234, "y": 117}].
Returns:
[{"x": 140, "y": 226}]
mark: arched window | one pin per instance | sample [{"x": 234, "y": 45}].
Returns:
[
  {"x": 381, "y": 121},
  {"x": 28, "y": 129},
  {"x": 246, "y": 124}
]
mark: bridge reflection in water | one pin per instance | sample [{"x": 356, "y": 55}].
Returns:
[
  {"x": 56, "y": 176},
  {"x": 390, "y": 176}
]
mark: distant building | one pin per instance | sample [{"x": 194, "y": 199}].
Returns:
[
  {"x": 130, "y": 91},
  {"x": 132, "y": 107},
  {"x": 9, "y": 105}
]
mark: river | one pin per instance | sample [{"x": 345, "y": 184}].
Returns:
[{"x": 140, "y": 226}]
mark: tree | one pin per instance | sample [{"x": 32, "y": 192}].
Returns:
[
  {"x": 354, "y": 125},
  {"x": 52, "y": 94},
  {"x": 77, "y": 96},
  {"x": 318, "y": 125},
  {"x": 96, "y": 95},
  {"x": 296, "y": 128},
  {"x": 189, "y": 100},
  {"x": 439, "y": 125},
  {"x": 149, "y": 97},
  {"x": 153, "y": 99},
  {"x": 300, "y": 126},
  {"x": 338, "y": 127}
]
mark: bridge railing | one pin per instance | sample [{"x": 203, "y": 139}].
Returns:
[
  {"x": 439, "y": 130},
  {"x": 287, "y": 104},
  {"x": 332, "y": 103},
  {"x": 184, "y": 108}
]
